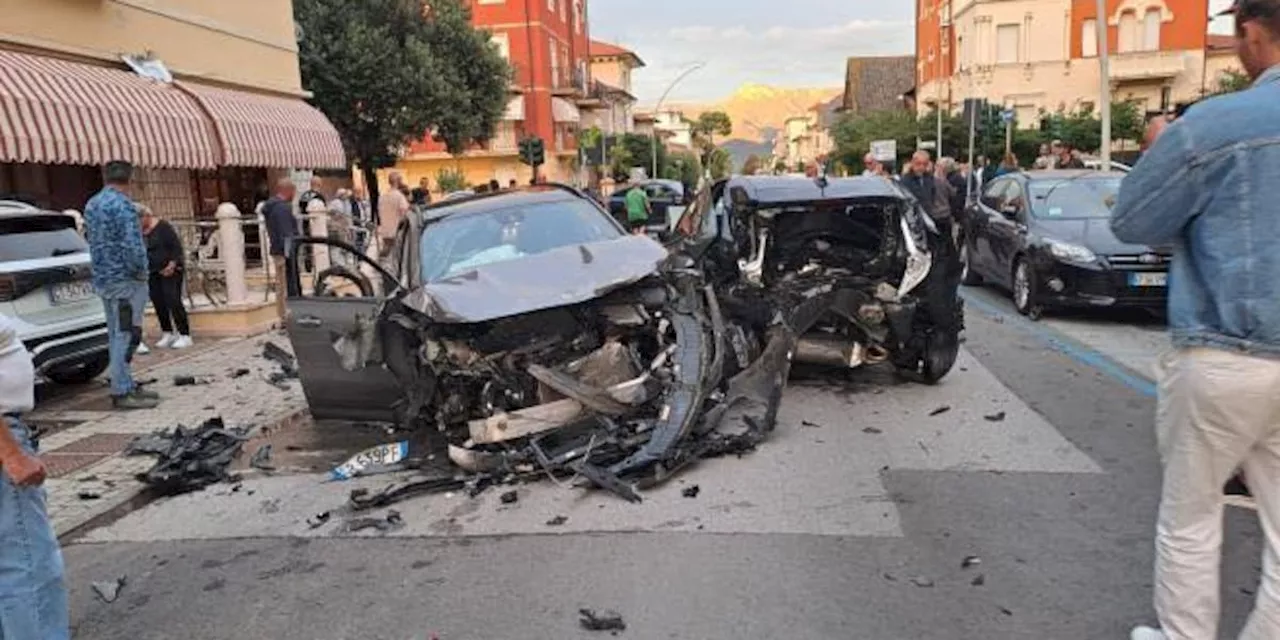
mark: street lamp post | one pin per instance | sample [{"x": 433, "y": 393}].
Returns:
[
  {"x": 1104, "y": 70},
  {"x": 658, "y": 108}
]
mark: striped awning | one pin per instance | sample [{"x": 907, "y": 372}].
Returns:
[
  {"x": 515, "y": 109},
  {"x": 267, "y": 131},
  {"x": 564, "y": 111},
  {"x": 58, "y": 112}
]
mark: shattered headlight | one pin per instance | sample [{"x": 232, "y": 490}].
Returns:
[
  {"x": 1071, "y": 252},
  {"x": 918, "y": 263}
]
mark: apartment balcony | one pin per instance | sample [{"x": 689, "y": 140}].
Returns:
[
  {"x": 567, "y": 80},
  {"x": 1136, "y": 66}
]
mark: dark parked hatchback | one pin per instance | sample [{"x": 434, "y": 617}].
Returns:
[{"x": 1046, "y": 236}]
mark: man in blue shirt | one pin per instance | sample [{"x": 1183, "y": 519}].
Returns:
[
  {"x": 1209, "y": 186},
  {"x": 119, "y": 259}
]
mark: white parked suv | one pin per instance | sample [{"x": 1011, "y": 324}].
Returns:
[{"x": 45, "y": 286}]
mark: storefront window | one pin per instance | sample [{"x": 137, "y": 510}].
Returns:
[{"x": 56, "y": 187}]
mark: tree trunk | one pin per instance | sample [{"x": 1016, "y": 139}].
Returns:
[{"x": 371, "y": 186}]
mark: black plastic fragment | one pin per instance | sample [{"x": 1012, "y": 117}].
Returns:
[
  {"x": 557, "y": 521},
  {"x": 510, "y": 497},
  {"x": 940, "y": 410},
  {"x": 603, "y": 621},
  {"x": 995, "y": 417},
  {"x": 691, "y": 491},
  {"x": 189, "y": 459}
]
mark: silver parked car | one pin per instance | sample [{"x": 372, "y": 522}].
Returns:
[{"x": 45, "y": 286}]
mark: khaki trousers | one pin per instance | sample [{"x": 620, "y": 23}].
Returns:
[
  {"x": 282, "y": 287},
  {"x": 1217, "y": 412}
]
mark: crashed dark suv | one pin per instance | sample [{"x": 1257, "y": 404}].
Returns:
[{"x": 541, "y": 338}]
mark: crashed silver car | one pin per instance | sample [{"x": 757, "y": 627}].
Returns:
[
  {"x": 858, "y": 270},
  {"x": 540, "y": 337}
]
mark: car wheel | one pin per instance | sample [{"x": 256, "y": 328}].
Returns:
[
  {"x": 968, "y": 275},
  {"x": 81, "y": 372},
  {"x": 1024, "y": 287},
  {"x": 940, "y": 352}
]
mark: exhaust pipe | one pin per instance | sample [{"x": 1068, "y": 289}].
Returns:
[{"x": 829, "y": 351}]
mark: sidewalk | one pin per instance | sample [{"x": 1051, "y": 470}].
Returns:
[{"x": 82, "y": 437}]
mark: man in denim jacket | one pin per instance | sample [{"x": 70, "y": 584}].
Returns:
[{"x": 1210, "y": 187}]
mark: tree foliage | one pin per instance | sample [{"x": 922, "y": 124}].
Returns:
[
  {"x": 449, "y": 180},
  {"x": 719, "y": 163},
  {"x": 685, "y": 167},
  {"x": 752, "y": 165},
  {"x": 711, "y": 124},
  {"x": 385, "y": 72},
  {"x": 634, "y": 150},
  {"x": 1231, "y": 81}
]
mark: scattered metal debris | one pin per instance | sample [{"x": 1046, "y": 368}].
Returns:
[
  {"x": 979, "y": 580},
  {"x": 89, "y": 495},
  {"x": 995, "y": 417},
  {"x": 806, "y": 423},
  {"x": 189, "y": 459},
  {"x": 285, "y": 360},
  {"x": 873, "y": 431},
  {"x": 557, "y": 521},
  {"x": 604, "y": 621},
  {"x": 970, "y": 561},
  {"x": 940, "y": 410},
  {"x": 185, "y": 380},
  {"x": 922, "y": 582},
  {"x": 261, "y": 459},
  {"x": 109, "y": 590},
  {"x": 691, "y": 491},
  {"x": 319, "y": 520},
  {"x": 239, "y": 373},
  {"x": 510, "y": 497},
  {"x": 386, "y": 523}
]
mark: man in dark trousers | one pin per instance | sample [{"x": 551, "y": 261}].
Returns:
[
  {"x": 119, "y": 260},
  {"x": 277, "y": 214}
]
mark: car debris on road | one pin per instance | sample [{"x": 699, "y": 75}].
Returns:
[
  {"x": 189, "y": 458},
  {"x": 109, "y": 590},
  {"x": 604, "y": 621}
]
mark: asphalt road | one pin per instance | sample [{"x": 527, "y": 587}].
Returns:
[{"x": 852, "y": 522}]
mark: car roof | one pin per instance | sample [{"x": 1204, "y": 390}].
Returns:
[
  {"x": 782, "y": 189},
  {"x": 1070, "y": 174},
  {"x": 15, "y": 208},
  {"x": 497, "y": 201}
]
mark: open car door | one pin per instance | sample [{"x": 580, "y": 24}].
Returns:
[{"x": 320, "y": 317}]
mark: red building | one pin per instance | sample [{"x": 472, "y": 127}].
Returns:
[{"x": 547, "y": 43}]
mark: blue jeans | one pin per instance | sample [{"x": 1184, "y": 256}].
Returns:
[
  {"x": 33, "y": 595},
  {"x": 124, "y": 303}
]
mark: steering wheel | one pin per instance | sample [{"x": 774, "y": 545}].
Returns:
[{"x": 338, "y": 271}]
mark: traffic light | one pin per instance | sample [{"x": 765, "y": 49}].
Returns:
[{"x": 533, "y": 151}]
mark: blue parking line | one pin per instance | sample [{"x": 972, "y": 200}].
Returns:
[{"x": 1071, "y": 348}]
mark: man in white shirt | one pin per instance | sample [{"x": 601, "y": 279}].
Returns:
[{"x": 33, "y": 594}]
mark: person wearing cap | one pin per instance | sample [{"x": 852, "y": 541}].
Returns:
[
  {"x": 1207, "y": 185},
  {"x": 33, "y": 593},
  {"x": 118, "y": 257}
]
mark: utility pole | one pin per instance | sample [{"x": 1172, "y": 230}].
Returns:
[
  {"x": 657, "y": 110},
  {"x": 1104, "y": 71},
  {"x": 937, "y": 152}
]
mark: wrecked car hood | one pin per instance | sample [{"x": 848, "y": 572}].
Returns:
[{"x": 560, "y": 277}]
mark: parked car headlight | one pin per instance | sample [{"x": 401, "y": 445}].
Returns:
[{"x": 1071, "y": 252}]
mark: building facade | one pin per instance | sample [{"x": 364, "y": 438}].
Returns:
[
  {"x": 1042, "y": 55},
  {"x": 205, "y": 98},
  {"x": 547, "y": 43}
]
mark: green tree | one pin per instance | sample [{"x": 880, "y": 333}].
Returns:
[
  {"x": 634, "y": 150},
  {"x": 449, "y": 180},
  {"x": 1231, "y": 81},
  {"x": 385, "y": 72},
  {"x": 751, "y": 165},
  {"x": 854, "y": 134},
  {"x": 711, "y": 124},
  {"x": 685, "y": 167},
  {"x": 719, "y": 163}
]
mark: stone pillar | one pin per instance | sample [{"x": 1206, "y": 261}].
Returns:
[
  {"x": 318, "y": 215},
  {"x": 264, "y": 241},
  {"x": 231, "y": 253}
]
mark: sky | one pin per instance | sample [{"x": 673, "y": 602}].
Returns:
[
  {"x": 787, "y": 43},
  {"x": 792, "y": 43}
]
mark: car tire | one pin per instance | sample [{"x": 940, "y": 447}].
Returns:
[
  {"x": 82, "y": 372},
  {"x": 941, "y": 350},
  {"x": 1024, "y": 287},
  {"x": 968, "y": 276}
]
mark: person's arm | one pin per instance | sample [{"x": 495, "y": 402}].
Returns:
[
  {"x": 1161, "y": 194},
  {"x": 23, "y": 469},
  {"x": 172, "y": 247}
]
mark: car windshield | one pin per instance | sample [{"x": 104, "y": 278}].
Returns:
[
  {"x": 463, "y": 242},
  {"x": 44, "y": 236},
  {"x": 1077, "y": 198}
]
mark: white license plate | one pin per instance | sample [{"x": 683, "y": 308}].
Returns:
[
  {"x": 1148, "y": 279},
  {"x": 68, "y": 292}
]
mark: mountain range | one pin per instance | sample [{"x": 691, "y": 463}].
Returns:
[{"x": 758, "y": 113}]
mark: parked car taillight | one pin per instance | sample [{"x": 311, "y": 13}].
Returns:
[{"x": 8, "y": 288}]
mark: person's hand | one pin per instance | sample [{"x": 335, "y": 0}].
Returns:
[
  {"x": 24, "y": 470},
  {"x": 1155, "y": 128},
  {"x": 169, "y": 269}
]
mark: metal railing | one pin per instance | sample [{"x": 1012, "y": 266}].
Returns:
[{"x": 206, "y": 271}]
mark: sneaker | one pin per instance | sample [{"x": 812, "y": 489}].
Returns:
[
  {"x": 145, "y": 393},
  {"x": 166, "y": 340},
  {"x": 134, "y": 401},
  {"x": 181, "y": 342},
  {"x": 1147, "y": 633},
  {"x": 142, "y": 349}
]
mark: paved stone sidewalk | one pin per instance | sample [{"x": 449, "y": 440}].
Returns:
[{"x": 85, "y": 437}]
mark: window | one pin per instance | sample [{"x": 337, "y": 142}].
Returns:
[
  {"x": 503, "y": 43},
  {"x": 1008, "y": 43},
  {"x": 1089, "y": 38},
  {"x": 555, "y": 65},
  {"x": 1073, "y": 199},
  {"x": 563, "y": 8},
  {"x": 1128, "y": 32},
  {"x": 983, "y": 46},
  {"x": 1166, "y": 99},
  {"x": 1151, "y": 30},
  {"x": 551, "y": 5},
  {"x": 578, "y": 19}
]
